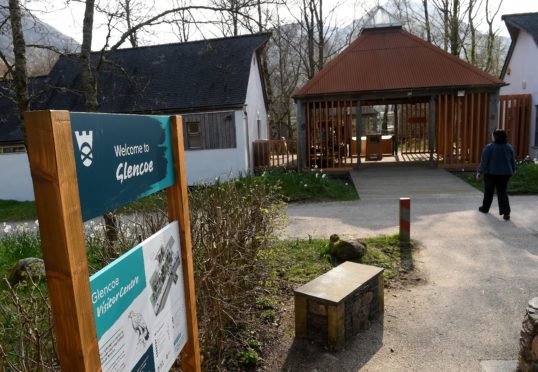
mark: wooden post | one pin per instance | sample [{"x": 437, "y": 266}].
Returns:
[
  {"x": 52, "y": 164},
  {"x": 358, "y": 131},
  {"x": 336, "y": 327},
  {"x": 405, "y": 222},
  {"x": 432, "y": 128},
  {"x": 178, "y": 209}
]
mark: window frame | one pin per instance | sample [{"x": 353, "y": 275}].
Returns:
[{"x": 197, "y": 134}]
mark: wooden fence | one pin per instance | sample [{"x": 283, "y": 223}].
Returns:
[
  {"x": 329, "y": 134},
  {"x": 275, "y": 153},
  {"x": 462, "y": 129},
  {"x": 413, "y": 129},
  {"x": 515, "y": 119}
]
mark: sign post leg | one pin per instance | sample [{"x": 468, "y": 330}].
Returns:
[
  {"x": 178, "y": 209},
  {"x": 52, "y": 164}
]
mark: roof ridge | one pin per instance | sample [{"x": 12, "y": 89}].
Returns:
[
  {"x": 268, "y": 34},
  {"x": 460, "y": 61},
  {"x": 518, "y": 14}
]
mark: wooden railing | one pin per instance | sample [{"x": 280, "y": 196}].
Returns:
[
  {"x": 275, "y": 154},
  {"x": 515, "y": 119}
]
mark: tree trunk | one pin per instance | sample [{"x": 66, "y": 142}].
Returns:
[
  {"x": 235, "y": 17},
  {"x": 89, "y": 87},
  {"x": 427, "y": 21},
  {"x": 309, "y": 21},
  {"x": 472, "y": 30},
  {"x": 454, "y": 29},
  {"x": 19, "y": 49},
  {"x": 132, "y": 37},
  {"x": 321, "y": 35}
]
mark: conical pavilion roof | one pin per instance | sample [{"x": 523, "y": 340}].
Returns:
[{"x": 389, "y": 58}]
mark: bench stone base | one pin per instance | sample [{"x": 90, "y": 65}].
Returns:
[{"x": 334, "y": 307}]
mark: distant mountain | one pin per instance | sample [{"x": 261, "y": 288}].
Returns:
[{"x": 36, "y": 32}]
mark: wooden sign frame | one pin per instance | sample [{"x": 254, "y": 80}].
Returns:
[{"x": 52, "y": 164}]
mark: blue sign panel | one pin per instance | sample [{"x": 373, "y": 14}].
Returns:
[{"x": 120, "y": 158}]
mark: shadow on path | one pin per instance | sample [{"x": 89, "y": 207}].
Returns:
[{"x": 307, "y": 356}]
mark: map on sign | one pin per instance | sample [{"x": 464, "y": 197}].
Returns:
[{"x": 139, "y": 306}]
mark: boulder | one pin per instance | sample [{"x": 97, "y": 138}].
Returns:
[
  {"x": 344, "y": 250},
  {"x": 27, "y": 267}
]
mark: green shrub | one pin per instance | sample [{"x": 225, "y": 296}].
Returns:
[
  {"x": 249, "y": 357},
  {"x": 525, "y": 181},
  {"x": 16, "y": 243},
  {"x": 232, "y": 224},
  {"x": 314, "y": 185}
]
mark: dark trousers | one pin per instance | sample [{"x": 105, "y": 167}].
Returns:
[{"x": 493, "y": 182}]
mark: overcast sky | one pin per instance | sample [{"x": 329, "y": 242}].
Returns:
[{"x": 69, "y": 20}]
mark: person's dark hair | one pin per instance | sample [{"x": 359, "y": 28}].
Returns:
[{"x": 499, "y": 136}]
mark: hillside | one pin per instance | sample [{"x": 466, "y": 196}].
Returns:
[{"x": 36, "y": 32}]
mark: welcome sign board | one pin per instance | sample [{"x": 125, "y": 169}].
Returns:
[
  {"x": 120, "y": 158},
  {"x": 139, "y": 306}
]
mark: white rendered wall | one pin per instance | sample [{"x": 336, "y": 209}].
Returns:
[
  {"x": 255, "y": 106},
  {"x": 523, "y": 70},
  {"x": 204, "y": 166},
  {"x": 15, "y": 178}
]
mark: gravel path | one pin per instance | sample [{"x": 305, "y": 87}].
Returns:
[{"x": 479, "y": 273}]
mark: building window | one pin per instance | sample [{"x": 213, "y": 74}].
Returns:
[
  {"x": 194, "y": 136},
  {"x": 12, "y": 149}
]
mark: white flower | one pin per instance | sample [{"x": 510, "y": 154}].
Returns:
[
  {"x": 7, "y": 228},
  {"x": 36, "y": 223},
  {"x": 317, "y": 175},
  {"x": 346, "y": 183},
  {"x": 323, "y": 176},
  {"x": 305, "y": 185}
]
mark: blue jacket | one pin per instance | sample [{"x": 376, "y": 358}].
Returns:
[{"x": 497, "y": 159}]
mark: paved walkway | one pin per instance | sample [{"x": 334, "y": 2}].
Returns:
[{"x": 479, "y": 273}]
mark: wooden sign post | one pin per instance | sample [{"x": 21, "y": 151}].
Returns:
[{"x": 51, "y": 151}]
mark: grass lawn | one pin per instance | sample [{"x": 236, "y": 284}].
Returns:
[
  {"x": 294, "y": 186},
  {"x": 312, "y": 186},
  {"x": 299, "y": 261},
  {"x": 525, "y": 181},
  {"x": 12, "y": 210}
]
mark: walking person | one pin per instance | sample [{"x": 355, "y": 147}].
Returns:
[{"x": 497, "y": 165}]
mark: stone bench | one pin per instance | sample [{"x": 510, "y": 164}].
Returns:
[{"x": 338, "y": 304}]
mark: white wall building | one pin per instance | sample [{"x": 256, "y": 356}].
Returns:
[
  {"x": 520, "y": 70},
  {"x": 216, "y": 85}
]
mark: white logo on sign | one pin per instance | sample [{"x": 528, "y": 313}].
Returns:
[{"x": 85, "y": 142}]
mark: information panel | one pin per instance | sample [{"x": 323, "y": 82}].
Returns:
[
  {"x": 139, "y": 306},
  {"x": 120, "y": 158}
]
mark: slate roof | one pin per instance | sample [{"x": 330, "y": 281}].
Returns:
[
  {"x": 392, "y": 59},
  {"x": 179, "y": 77},
  {"x": 527, "y": 22},
  {"x": 10, "y": 131}
]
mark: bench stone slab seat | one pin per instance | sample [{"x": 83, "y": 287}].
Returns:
[{"x": 338, "y": 304}]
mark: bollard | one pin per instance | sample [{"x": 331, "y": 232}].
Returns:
[{"x": 405, "y": 222}]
